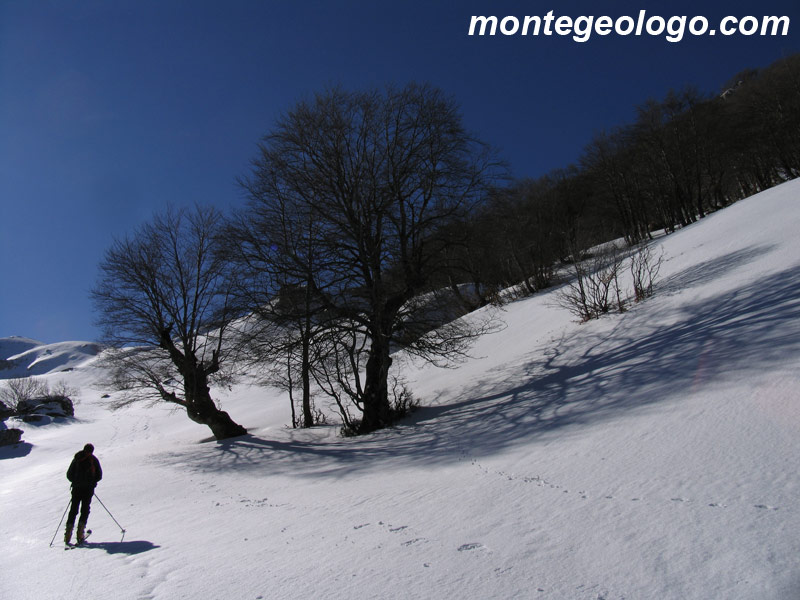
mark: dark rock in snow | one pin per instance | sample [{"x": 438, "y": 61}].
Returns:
[{"x": 10, "y": 436}]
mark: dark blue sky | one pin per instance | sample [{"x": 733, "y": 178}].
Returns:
[{"x": 110, "y": 110}]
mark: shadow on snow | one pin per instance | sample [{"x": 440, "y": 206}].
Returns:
[
  {"x": 647, "y": 357},
  {"x": 17, "y": 450},
  {"x": 129, "y": 548}
]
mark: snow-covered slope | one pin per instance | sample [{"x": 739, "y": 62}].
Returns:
[
  {"x": 9, "y": 346},
  {"x": 21, "y": 357},
  {"x": 646, "y": 455}
]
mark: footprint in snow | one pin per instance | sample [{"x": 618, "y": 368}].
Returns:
[
  {"x": 472, "y": 546},
  {"x": 414, "y": 541}
]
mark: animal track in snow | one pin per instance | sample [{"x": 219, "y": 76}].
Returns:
[
  {"x": 512, "y": 477},
  {"x": 541, "y": 482},
  {"x": 394, "y": 529},
  {"x": 472, "y": 546},
  {"x": 259, "y": 503},
  {"x": 721, "y": 505},
  {"x": 414, "y": 541}
]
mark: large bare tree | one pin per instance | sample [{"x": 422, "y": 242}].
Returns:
[
  {"x": 353, "y": 193},
  {"x": 163, "y": 304}
]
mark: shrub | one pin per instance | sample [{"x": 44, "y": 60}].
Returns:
[
  {"x": 644, "y": 270},
  {"x": 20, "y": 391},
  {"x": 403, "y": 403},
  {"x": 25, "y": 396},
  {"x": 595, "y": 289}
]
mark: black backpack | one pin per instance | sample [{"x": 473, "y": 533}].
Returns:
[{"x": 84, "y": 470}]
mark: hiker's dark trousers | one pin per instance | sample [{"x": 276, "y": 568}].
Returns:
[{"x": 81, "y": 498}]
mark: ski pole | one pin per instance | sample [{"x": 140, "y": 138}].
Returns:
[
  {"x": 112, "y": 517},
  {"x": 60, "y": 522}
]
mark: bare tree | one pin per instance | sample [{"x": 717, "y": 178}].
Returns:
[
  {"x": 25, "y": 395},
  {"x": 162, "y": 300},
  {"x": 594, "y": 288},
  {"x": 644, "y": 267},
  {"x": 371, "y": 180},
  {"x": 274, "y": 249},
  {"x": 18, "y": 391}
]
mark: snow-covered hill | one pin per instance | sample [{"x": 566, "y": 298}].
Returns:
[
  {"x": 651, "y": 454},
  {"x": 13, "y": 345},
  {"x": 23, "y": 357}
]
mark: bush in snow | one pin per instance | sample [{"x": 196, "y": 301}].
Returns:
[
  {"x": 595, "y": 289},
  {"x": 21, "y": 390},
  {"x": 644, "y": 270},
  {"x": 403, "y": 403},
  {"x": 25, "y": 396}
]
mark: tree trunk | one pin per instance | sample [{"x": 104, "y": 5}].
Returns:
[
  {"x": 201, "y": 408},
  {"x": 308, "y": 417},
  {"x": 220, "y": 423},
  {"x": 377, "y": 411}
]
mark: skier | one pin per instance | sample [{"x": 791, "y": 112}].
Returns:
[{"x": 84, "y": 472}]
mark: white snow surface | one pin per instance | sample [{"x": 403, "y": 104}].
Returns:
[
  {"x": 9, "y": 346},
  {"x": 23, "y": 357},
  {"x": 652, "y": 454}
]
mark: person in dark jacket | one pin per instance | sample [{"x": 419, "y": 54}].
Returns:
[{"x": 84, "y": 472}]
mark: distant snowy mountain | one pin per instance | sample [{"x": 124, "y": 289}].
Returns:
[
  {"x": 21, "y": 357},
  {"x": 10, "y": 346}
]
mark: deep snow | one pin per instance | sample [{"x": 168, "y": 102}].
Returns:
[{"x": 652, "y": 454}]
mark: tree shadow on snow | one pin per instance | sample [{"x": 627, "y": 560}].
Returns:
[
  {"x": 714, "y": 268},
  {"x": 594, "y": 374}
]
